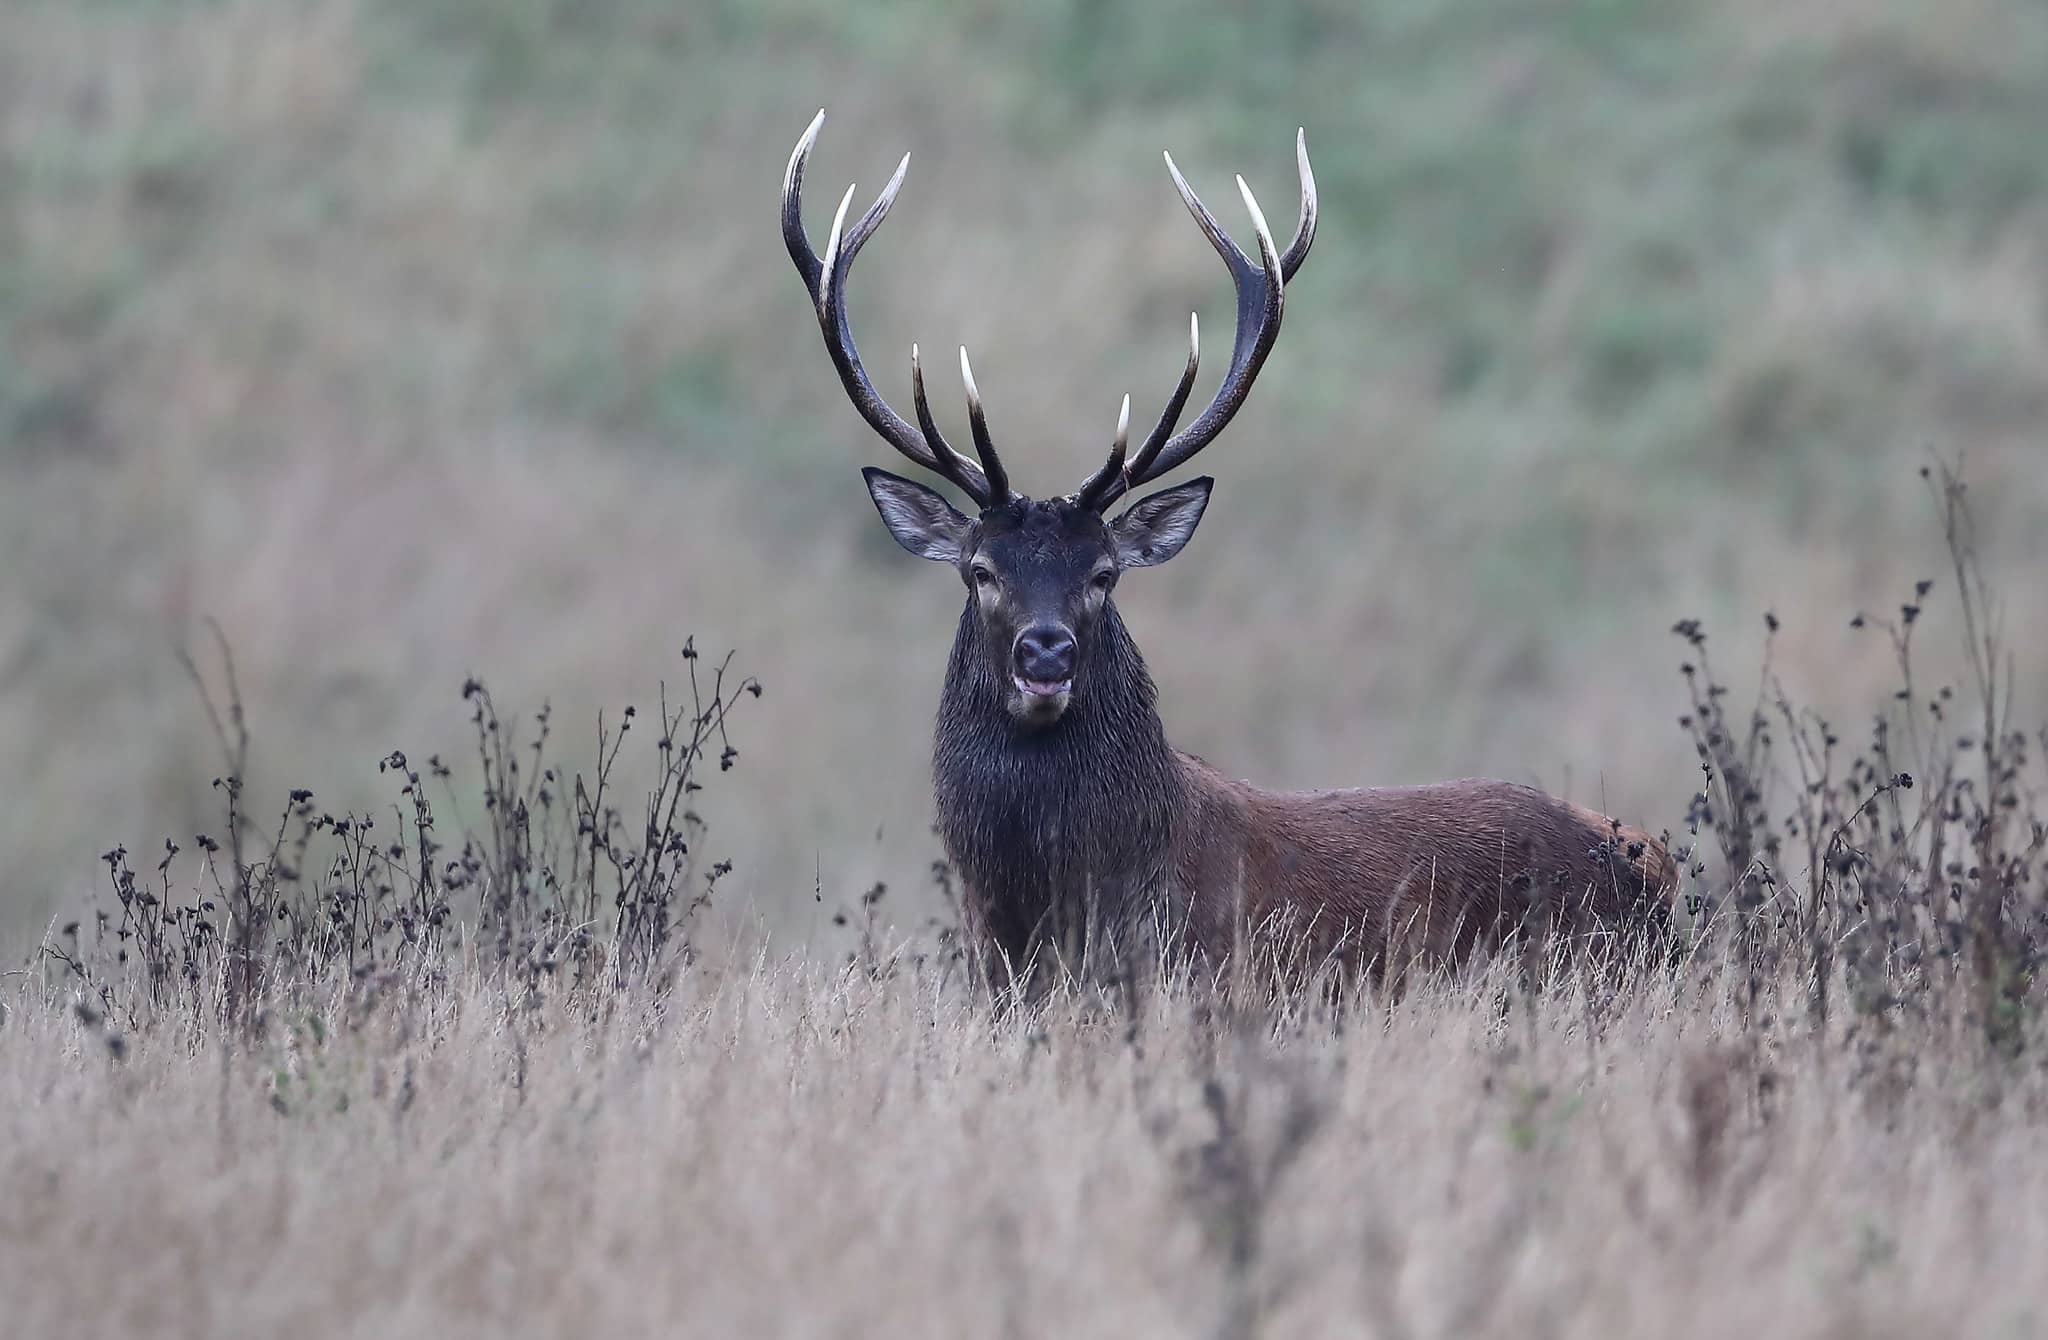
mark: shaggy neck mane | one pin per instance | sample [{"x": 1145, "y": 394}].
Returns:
[{"x": 1045, "y": 821}]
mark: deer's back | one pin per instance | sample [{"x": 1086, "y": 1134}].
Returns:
[{"x": 1432, "y": 870}]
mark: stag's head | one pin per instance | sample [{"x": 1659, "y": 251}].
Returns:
[{"x": 1039, "y": 572}]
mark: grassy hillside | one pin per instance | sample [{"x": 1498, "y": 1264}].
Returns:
[{"x": 412, "y": 338}]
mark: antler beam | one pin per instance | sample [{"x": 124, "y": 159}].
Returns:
[
  {"x": 1260, "y": 287},
  {"x": 987, "y": 484}
]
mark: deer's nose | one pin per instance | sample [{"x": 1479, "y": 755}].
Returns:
[{"x": 1044, "y": 654}]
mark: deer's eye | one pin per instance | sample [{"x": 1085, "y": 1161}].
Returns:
[
  {"x": 1104, "y": 579},
  {"x": 984, "y": 578}
]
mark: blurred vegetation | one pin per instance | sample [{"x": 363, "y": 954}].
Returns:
[{"x": 411, "y": 337}]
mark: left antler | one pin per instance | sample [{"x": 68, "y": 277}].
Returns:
[{"x": 1260, "y": 287}]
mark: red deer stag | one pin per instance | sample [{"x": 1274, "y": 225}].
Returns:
[{"x": 1060, "y": 803}]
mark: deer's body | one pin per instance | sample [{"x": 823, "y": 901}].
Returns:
[
  {"x": 1431, "y": 872},
  {"x": 1096, "y": 824},
  {"x": 1061, "y": 804}
]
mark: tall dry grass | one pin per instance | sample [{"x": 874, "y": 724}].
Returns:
[{"x": 778, "y": 1147}]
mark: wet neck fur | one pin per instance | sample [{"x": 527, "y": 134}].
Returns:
[{"x": 1042, "y": 821}]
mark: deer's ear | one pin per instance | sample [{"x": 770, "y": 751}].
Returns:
[
  {"x": 921, "y": 520},
  {"x": 1156, "y": 527}
]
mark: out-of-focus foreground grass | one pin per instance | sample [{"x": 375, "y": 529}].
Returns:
[
  {"x": 410, "y": 337},
  {"x": 785, "y": 1150}
]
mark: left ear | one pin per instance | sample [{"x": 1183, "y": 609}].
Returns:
[{"x": 1155, "y": 528}]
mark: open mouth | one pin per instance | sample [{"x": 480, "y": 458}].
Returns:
[{"x": 1042, "y": 688}]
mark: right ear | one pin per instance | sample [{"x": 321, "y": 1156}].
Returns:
[
  {"x": 1156, "y": 527},
  {"x": 921, "y": 520}
]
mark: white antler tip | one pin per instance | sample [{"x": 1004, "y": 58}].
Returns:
[
  {"x": 828, "y": 267},
  {"x": 801, "y": 152},
  {"x": 1251, "y": 204}
]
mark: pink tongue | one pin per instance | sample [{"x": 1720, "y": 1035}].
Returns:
[{"x": 1044, "y": 688}]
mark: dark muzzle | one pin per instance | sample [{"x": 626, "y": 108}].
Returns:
[{"x": 1043, "y": 659}]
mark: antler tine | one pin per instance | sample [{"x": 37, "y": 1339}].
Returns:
[
  {"x": 793, "y": 237},
  {"x": 1112, "y": 470},
  {"x": 949, "y": 462},
  {"x": 826, "y": 280},
  {"x": 1169, "y": 418},
  {"x": 1233, "y": 255},
  {"x": 828, "y": 268},
  {"x": 984, "y": 446},
  {"x": 1259, "y": 295},
  {"x": 1260, "y": 288},
  {"x": 1111, "y": 482},
  {"x": 878, "y": 211},
  {"x": 1269, "y": 255},
  {"x": 1305, "y": 226}
]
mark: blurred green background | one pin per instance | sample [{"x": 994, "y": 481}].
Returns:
[{"x": 419, "y": 338}]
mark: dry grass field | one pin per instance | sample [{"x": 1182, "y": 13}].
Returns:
[{"x": 778, "y": 1148}]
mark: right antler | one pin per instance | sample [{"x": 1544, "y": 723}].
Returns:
[
  {"x": 986, "y": 483},
  {"x": 1259, "y": 289}
]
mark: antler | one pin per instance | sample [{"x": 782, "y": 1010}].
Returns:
[
  {"x": 1259, "y": 287},
  {"x": 986, "y": 483}
]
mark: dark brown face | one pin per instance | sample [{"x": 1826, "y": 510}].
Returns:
[{"x": 1039, "y": 574}]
